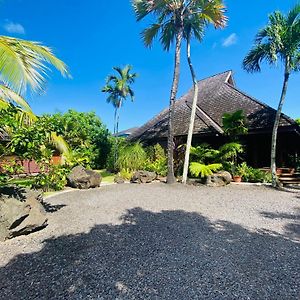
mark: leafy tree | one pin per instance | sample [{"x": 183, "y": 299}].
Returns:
[
  {"x": 86, "y": 136},
  {"x": 118, "y": 88},
  {"x": 279, "y": 40},
  {"x": 196, "y": 18}
]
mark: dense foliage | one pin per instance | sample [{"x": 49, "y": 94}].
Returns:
[
  {"x": 156, "y": 160},
  {"x": 87, "y": 137}
]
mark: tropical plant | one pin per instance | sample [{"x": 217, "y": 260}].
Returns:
[
  {"x": 131, "y": 157},
  {"x": 204, "y": 153},
  {"x": 196, "y": 18},
  {"x": 202, "y": 170},
  {"x": 278, "y": 41},
  {"x": 250, "y": 174},
  {"x": 234, "y": 124},
  {"x": 118, "y": 88},
  {"x": 230, "y": 152},
  {"x": 298, "y": 121}
]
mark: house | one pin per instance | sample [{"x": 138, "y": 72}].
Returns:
[
  {"x": 125, "y": 133},
  {"x": 219, "y": 94}
]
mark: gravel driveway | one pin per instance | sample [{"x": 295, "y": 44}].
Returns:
[{"x": 159, "y": 242}]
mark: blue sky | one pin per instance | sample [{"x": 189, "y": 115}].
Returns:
[{"x": 92, "y": 36}]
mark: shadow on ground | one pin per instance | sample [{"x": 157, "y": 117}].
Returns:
[
  {"x": 292, "y": 228},
  {"x": 167, "y": 255}
]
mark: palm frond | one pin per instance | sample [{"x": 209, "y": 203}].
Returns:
[
  {"x": 150, "y": 33},
  {"x": 24, "y": 63},
  {"x": 259, "y": 53},
  {"x": 202, "y": 170}
]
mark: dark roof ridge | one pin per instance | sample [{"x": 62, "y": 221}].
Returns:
[{"x": 293, "y": 122}]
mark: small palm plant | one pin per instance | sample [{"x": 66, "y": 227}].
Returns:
[{"x": 278, "y": 41}]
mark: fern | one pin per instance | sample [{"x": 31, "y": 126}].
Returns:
[{"x": 198, "y": 169}]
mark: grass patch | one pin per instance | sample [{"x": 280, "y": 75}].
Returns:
[
  {"x": 107, "y": 177},
  {"x": 22, "y": 182}
]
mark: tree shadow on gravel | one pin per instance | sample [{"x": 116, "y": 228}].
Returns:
[
  {"x": 292, "y": 228},
  {"x": 166, "y": 255}
]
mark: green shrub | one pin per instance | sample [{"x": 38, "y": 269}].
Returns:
[
  {"x": 156, "y": 160},
  {"x": 131, "y": 157},
  {"x": 126, "y": 174},
  {"x": 250, "y": 174},
  {"x": 55, "y": 179}
]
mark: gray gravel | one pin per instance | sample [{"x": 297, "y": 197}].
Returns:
[{"x": 159, "y": 242}]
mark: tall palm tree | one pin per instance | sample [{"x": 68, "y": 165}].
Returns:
[
  {"x": 118, "y": 88},
  {"x": 169, "y": 24},
  {"x": 197, "y": 17},
  {"x": 278, "y": 41}
]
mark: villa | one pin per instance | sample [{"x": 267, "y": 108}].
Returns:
[{"x": 219, "y": 94}]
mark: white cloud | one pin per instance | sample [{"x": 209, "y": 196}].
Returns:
[
  {"x": 230, "y": 40},
  {"x": 12, "y": 27}
]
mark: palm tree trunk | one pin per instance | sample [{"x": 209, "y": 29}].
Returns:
[
  {"x": 193, "y": 113},
  {"x": 117, "y": 131},
  {"x": 115, "y": 120},
  {"x": 171, "y": 177},
  {"x": 275, "y": 182}
]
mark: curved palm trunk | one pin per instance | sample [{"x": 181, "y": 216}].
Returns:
[
  {"x": 275, "y": 182},
  {"x": 171, "y": 177},
  {"x": 193, "y": 113}
]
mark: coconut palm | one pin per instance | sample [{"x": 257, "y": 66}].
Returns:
[
  {"x": 118, "y": 88},
  {"x": 197, "y": 17},
  {"x": 278, "y": 41}
]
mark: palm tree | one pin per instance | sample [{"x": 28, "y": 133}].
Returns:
[
  {"x": 169, "y": 24},
  {"x": 24, "y": 64},
  {"x": 118, "y": 88},
  {"x": 199, "y": 15},
  {"x": 278, "y": 41}
]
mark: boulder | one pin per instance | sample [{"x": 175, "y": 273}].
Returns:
[
  {"x": 21, "y": 216},
  {"x": 161, "y": 178},
  {"x": 218, "y": 179},
  {"x": 143, "y": 177},
  {"x": 82, "y": 178},
  {"x": 118, "y": 179}
]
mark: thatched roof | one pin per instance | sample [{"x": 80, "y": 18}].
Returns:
[{"x": 217, "y": 95}]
